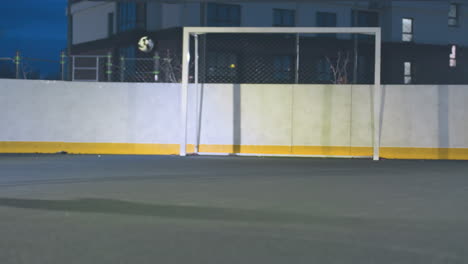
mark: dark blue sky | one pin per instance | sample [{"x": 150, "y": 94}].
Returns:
[{"x": 38, "y": 28}]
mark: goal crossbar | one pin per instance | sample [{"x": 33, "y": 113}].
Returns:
[{"x": 376, "y": 97}]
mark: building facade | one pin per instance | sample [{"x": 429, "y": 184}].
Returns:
[{"x": 424, "y": 42}]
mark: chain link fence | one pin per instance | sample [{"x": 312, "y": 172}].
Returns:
[
  {"x": 159, "y": 68},
  {"x": 20, "y": 67},
  {"x": 222, "y": 58},
  {"x": 285, "y": 58}
]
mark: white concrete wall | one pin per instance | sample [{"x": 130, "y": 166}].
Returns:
[
  {"x": 425, "y": 116},
  {"x": 90, "y": 20},
  {"x": 264, "y": 115},
  {"x": 88, "y": 112}
]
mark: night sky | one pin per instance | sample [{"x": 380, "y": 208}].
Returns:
[{"x": 37, "y": 28}]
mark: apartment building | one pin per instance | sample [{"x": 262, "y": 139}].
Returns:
[{"x": 424, "y": 42}]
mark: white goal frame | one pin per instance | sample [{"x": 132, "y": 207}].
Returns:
[{"x": 376, "y": 98}]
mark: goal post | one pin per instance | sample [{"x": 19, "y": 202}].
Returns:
[{"x": 195, "y": 31}]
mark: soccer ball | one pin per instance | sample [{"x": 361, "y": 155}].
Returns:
[{"x": 145, "y": 44}]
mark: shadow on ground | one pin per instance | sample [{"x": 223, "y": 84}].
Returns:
[{"x": 109, "y": 206}]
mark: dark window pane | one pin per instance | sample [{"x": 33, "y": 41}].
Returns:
[
  {"x": 284, "y": 18},
  {"x": 223, "y": 15}
]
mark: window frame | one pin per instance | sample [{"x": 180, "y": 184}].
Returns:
[
  {"x": 411, "y": 33},
  {"x": 216, "y": 22},
  {"x": 453, "y": 56},
  {"x": 455, "y": 18},
  {"x": 281, "y": 12},
  {"x": 325, "y": 13},
  {"x": 411, "y": 73}
]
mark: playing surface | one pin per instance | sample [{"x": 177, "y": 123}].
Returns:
[{"x": 159, "y": 209}]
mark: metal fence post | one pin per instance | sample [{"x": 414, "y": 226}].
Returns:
[
  {"x": 97, "y": 68},
  {"x": 17, "y": 63},
  {"x": 298, "y": 47},
  {"x": 197, "y": 90},
  {"x": 62, "y": 65},
  {"x": 122, "y": 68},
  {"x": 156, "y": 66},
  {"x": 73, "y": 68},
  {"x": 109, "y": 66}
]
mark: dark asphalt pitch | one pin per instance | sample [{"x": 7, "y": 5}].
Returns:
[{"x": 167, "y": 209}]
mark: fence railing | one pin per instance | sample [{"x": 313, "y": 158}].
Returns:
[
  {"x": 96, "y": 68},
  {"x": 87, "y": 68},
  {"x": 234, "y": 58},
  {"x": 122, "y": 69},
  {"x": 20, "y": 67}
]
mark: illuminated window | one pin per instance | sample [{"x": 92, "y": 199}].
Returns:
[
  {"x": 408, "y": 72},
  {"x": 407, "y": 29},
  {"x": 453, "y": 57},
  {"x": 453, "y": 15}
]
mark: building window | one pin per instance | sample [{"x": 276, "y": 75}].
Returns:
[
  {"x": 110, "y": 24},
  {"x": 407, "y": 29},
  {"x": 221, "y": 65},
  {"x": 223, "y": 15},
  {"x": 131, "y": 16},
  {"x": 453, "y": 57},
  {"x": 284, "y": 18},
  {"x": 453, "y": 15},
  {"x": 408, "y": 72},
  {"x": 283, "y": 66}
]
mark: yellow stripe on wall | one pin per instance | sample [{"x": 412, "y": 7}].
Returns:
[
  {"x": 173, "y": 149},
  {"x": 288, "y": 150},
  {"x": 89, "y": 148},
  {"x": 425, "y": 153}
]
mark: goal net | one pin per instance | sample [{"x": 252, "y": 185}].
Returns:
[{"x": 281, "y": 91}]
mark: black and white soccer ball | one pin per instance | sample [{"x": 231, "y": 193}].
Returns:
[{"x": 145, "y": 44}]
